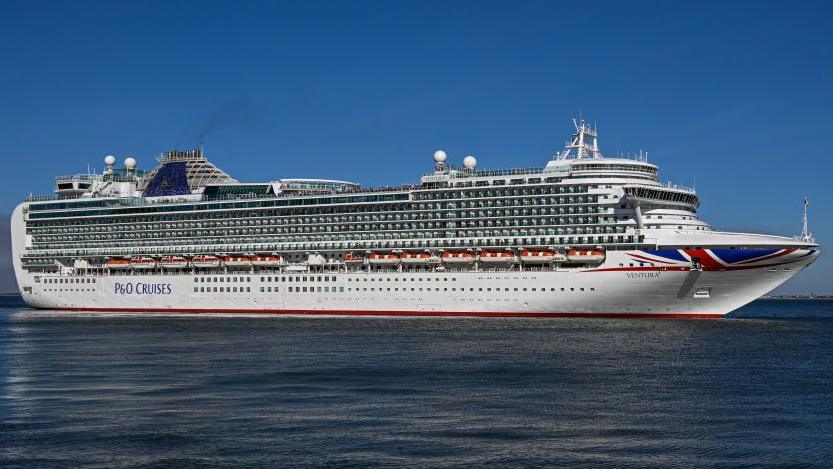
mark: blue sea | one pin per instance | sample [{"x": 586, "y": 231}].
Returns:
[{"x": 141, "y": 391}]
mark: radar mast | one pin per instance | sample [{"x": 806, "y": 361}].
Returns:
[{"x": 585, "y": 143}]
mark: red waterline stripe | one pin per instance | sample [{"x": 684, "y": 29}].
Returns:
[
  {"x": 396, "y": 313},
  {"x": 640, "y": 269}
]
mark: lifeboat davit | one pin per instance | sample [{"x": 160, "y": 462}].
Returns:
[
  {"x": 267, "y": 261},
  {"x": 496, "y": 257},
  {"x": 457, "y": 257},
  {"x": 205, "y": 262},
  {"x": 353, "y": 258},
  {"x": 142, "y": 262},
  {"x": 232, "y": 261},
  {"x": 417, "y": 258},
  {"x": 585, "y": 257},
  {"x": 173, "y": 262},
  {"x": 531, "y": 256},
  {"x": 377, "y": 258},
  {"x": 117, "y": 264}
]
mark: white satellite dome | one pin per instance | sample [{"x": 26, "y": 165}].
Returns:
[
  {"x": 469, "y": 162},
  {"x": 440, "y": 156},
  {"x": 109, "y": 160},
  {"x": 130, "y": 163}
]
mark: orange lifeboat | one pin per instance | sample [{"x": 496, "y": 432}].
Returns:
[
  {"x": 585, "y": 257},
  {"x": 232, "y": 261},
  {"x": 377, "y": 258},
  {"x": 205, "y": 261},
  {"x": 353, "y": 258},
  {"x": 142, "y": 262},
  {"x": 417, "y": 258},
  {"x": 532, "y": 256},
  {"x": 457, "y": 257},
  {"x": 173, "y": 262},
  {"x": 267, "y": 261},
  {"x": 117, "y": 264},
  {"x": 496, "y": 257}
]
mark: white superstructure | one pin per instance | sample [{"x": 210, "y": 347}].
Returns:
[{"x": 584, "y": 235}]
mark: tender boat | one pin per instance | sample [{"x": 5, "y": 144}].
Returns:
[
  {"x": 377, "y": 258},
  {"x": 585, "y": 257},
  {"x": 117, "y": 264},
  {"x": 267, "y": 261},
  {"x": 231, "y": 261},
  {"x": 458, "y": 257},
  {"x": 496, "y": 257},
  {"x": 353, "y": 258},
  {"x": 417, "y": 258},
  {"x": 173, "y": 262},
  {"x": 205, "y": 262},
  {"x": 142, "y": 262},
  {"x": 531, "y": 256}
]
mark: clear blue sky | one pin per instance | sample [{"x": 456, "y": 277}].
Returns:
[{"x": 736, "y": 95}]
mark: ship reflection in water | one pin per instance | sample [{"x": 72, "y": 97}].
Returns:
[{"x": 181, "y": 391}]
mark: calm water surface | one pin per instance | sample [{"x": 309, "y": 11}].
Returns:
[{"x": 187, "y": 391}]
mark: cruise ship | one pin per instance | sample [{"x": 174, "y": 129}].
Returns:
[{"x": 582, "y": 235}]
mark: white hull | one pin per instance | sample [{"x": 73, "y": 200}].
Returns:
[
  {"x": 605, "y": 290},
  {"x": 603, "y": 293}
]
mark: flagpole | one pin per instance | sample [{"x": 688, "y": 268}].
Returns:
[{"x": 805, "y": 232}]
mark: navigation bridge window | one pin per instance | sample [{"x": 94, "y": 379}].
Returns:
[{"x": 662, "y": 194}]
